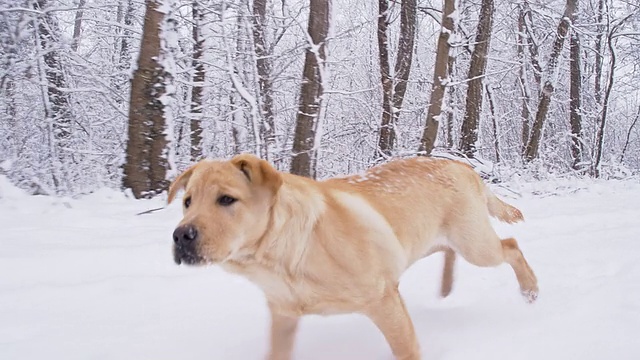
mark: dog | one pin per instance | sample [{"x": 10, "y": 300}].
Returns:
[{"x": 340, "y": 245}]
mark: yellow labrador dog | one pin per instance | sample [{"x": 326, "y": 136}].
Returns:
[{"x": 340, "y": 245}]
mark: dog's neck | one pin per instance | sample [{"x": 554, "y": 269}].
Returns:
[{"x": 284, "y": 245}]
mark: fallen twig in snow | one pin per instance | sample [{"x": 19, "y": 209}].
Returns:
[{"x": 150, "y": 211}]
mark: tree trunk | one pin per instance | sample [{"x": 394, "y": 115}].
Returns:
[
  {"x": 125, "y": 51},
  {"x": 307, "y": 133},
  {"x": 146, "y": 158},
  {"x": 59, "y": 110},
  {"x": 440, "y": 79},
  {"x": 77, "y": 25},
  {"x": 549, "y": 84},
  {"x": 626, "y": 142},
  {"x": 525, "y": 113},
  {"x": 598, "y": 51},
  {"x": 402, "y": 68},
  {"x": 8, "y": 50},
  {"x": 450, "y": 104},
  {"x": 527, "y": 22},
  {"x": 198, "y": 82},
  {"x": 494, "y": 125},
  {"x": 387, "y": 132},
  {"x": 469, "y": 132},
  {"x": 263, "y": 65},
  {"x": 595, "y": 170},
  {"x": 57, "y": 103},
  {"x": 123, "y": 63},
  {"x": 401, "y": 71},
  {"x": 575, "y": 114}
]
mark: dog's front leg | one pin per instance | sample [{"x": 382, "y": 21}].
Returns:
[
  {"x": 391, "y": 317},
  {"x": 283, "y": 331}
]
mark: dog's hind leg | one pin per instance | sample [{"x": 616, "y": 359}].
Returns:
[
  {"x": 524, "y": 274},
  {"x": 447, "y": 272},
  {"x": 477, "y": 242}
]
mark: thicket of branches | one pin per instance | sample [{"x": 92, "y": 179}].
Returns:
[{"x": 535, "y": 86}]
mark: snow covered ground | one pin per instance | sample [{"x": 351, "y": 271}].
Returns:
[{"x": 88, "y": 279}]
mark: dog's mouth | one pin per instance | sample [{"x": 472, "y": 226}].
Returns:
[{"x": 187, "y": 256}]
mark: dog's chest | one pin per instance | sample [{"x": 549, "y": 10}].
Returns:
[{"x": 287, "y": 295}]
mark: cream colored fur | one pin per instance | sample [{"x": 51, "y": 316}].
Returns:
[{"x": 341, "y": 245}]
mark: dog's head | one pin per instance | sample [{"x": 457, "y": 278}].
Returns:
[{"x": 226, "y": 206}]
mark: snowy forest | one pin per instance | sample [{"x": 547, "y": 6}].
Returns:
[
  {"x": 103, "y": 103},
  {"x": 127, "y": 93}
]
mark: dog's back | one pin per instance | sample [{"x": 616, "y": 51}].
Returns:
[{"x": 422, "y": 198}]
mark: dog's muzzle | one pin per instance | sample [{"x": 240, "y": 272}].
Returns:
[{"x": 185, "y": 239}]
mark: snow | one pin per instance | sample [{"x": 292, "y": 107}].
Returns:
[{"x": 86, "y": 278}]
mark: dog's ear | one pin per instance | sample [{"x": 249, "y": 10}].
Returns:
[
  {"x": 180, "y": 183},
  {"x": 258, "y": 172}
]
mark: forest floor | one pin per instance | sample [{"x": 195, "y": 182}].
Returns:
[{"x": 87, "y": 278}]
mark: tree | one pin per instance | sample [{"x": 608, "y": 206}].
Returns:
[
  {"x": 494, "y": 124},
  {"x": 440, "y": 78},
  {"x": 526, "y": 39},
  {"x": 469, "y": 132},
  {"x": 612, "y": 29},
  {"x": 387, "y": 132},
  {"x": 197, "y": 87},
  {"x": 265, "y": 84},
  {"x": 548, "y": 88},
  {"x": 146, "y": 159},
  {"x": 308, "y": 130},
  {"x": 575, "y": 107},
  {"x": 77, "y": 25},
  {"x": 57, "y": 103},
  {"x": 123, "y": 45},
  {"x": 65, "y": 86},
  {"x": 394, "y": 87},
  {"x": 598, "y": 52}
]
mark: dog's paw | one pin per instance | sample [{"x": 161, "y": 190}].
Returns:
[{"x": 530, "y": 296}]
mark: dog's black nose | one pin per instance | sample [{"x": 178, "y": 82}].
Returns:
[{"x": 185, "y": 234}]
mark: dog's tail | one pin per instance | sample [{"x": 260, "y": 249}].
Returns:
[
  {"x": 501, "y": 210},
  {"x": 447, "y": 272}
]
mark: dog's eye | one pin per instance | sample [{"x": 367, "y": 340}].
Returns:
[
  {"x": 226, "y": 200},
  {"x": 187, "y": 202}
]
